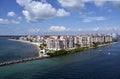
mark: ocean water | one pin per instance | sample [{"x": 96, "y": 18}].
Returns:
[
  {"x": 14, "y": 50},
  {"x": 97, "y": 63}
]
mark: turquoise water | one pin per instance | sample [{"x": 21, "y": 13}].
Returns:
[{"x": 91, "y": 64}]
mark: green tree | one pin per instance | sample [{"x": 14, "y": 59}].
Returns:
[{"x": 42, "y": 46}]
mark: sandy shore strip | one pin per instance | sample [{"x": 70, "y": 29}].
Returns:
[{"x": 37, "y": 44}]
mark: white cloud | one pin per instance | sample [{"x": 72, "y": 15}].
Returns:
[
  {"x": 100, "y": 18},
  {"x": 23, "y": 2},
  {"x": 96, "y": 29},
  {"x": 11, "y": 14},
  {"x": 86, "y": 13},
  {"x": 19, "y": 18},
  {"x": 35, "y": 11},
  {"x": 58, "y": 28},
  {"x": 90, "y": 16},
  {"x": 16, "y": 19},
  {"x": 78, "y": 4},
  {"x": 86, "y": 20},
  {"x": 75, "y": 4},
  {"x": 99, "y": 3},
  {"x": 62, "y": 13},
  {"x": 93, "y": 18},
  {"x": 43, "y": 1},
  {"x": 34, "y": 30},
  {"x": 80, "y": 29},
  {"x": 116, "y": 3},
  {"x": 4, "y": 21},
  {"x": 15, "y": 22},
  {"x": 109, "y": 10}
]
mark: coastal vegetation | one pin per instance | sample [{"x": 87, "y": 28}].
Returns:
[
  {"x": 77, "y": 49},
  {"x": 96, "y": 44},
  {"x": 63, "y": 52},
  {"x": 42, "y": 46}
]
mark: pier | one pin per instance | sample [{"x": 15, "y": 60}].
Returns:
[{"x": 22, "y": 60}]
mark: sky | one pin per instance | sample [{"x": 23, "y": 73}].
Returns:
[{"x": 38, "y": 17}]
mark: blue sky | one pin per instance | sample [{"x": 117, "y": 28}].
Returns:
[{"x": 21, "y": 17}]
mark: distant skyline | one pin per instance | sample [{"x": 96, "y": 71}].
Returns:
[{"x": 29, "y": 17}]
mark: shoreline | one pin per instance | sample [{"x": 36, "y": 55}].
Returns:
[
  {"x": 63, "y": 52},
  {"x": 41, "y": 57},
  {"x": 32, "y": 43},
  {"x": 25, "y": 59},
  {"x": 35, "y": 44},
  {"x": 105, "y": 44}
]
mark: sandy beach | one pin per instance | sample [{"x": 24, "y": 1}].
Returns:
[{"x": 37, "y": 44}]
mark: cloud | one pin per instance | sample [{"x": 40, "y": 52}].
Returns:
[
  {"x": 15, "y": 22},
  {"x": 4, "y": 21},
  {"x": 93, "y": 18},
  {"x": 58, "y": 28},
  {"x": 99, "y": 3},
  {"x": 23, "y": 2},
  {"x": 116, "y": 3},
  {"x": 86, "y": 20},
  {"x": 80, "y": 29},
  {"x": 99, "y": 18},
  {"x": 74, "y": 4},
  {"x": 96, "y": 29},
  {"x": 62, "y": 13},
  {"x": 109, "y": 10},
  {"x": 34, "y": 30},
  {"x": 78, "y": 4},
  {"x": 19, "y": 18},
  {"x": 11, "y": 14},
  {"x": 90, "y": 17},
  {"x": 35, "y": 11},
  {"x": 43, "y": 1},
  {"x": 16, "y": 19}
]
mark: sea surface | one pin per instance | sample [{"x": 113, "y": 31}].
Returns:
[
  {"x": 14, "y": 50},
  {"x": 96, "y": 63}
]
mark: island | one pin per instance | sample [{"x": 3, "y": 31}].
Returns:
[
  {"x": 51, "y": 46},
  {"x": 59, "y": 45}
]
